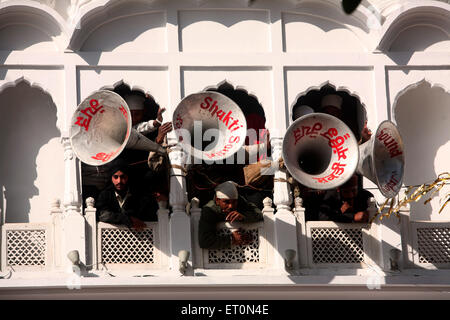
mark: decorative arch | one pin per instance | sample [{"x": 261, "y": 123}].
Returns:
[
  {"x": 331, "y": 85},
  {"x": 227, "y": 86},
  {"x": 434, "y": 14},
  {"x": 412, "y": 86},
  {"x": 124, "y": 83},
  {"x": 31, "y": 162},
  {"x": 328, "y": 14},
  {"x": 131, "y": 88},
  {"x": 421, "y": 111},
  {"x": 313, "y": 95},
  {"x": 28, "y": 82},
  {"x": 33, "y": 14},
  {"x": 97, "y": 14}
]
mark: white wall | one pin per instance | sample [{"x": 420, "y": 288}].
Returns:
[
  {"x": 274, "y": 50},
  {"x": 423, "y": 118},
  {"x": 32, "y": 166}
]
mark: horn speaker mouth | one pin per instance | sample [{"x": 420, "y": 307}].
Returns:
[
  {"x": 320, "y": 151},
  {"x": 209, "y": 126},
  {"x": 101, "y": 126}
]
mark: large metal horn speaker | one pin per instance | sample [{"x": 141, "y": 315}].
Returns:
[
  {"x": 320, "y": 151},
  {"x": 101, "y": 128},
  {"x": 382, "y": 159},
  {"x": 209, "y": 125}
]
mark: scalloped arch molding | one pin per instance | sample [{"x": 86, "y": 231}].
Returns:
[
  {"x": 48, "y": 21},
  {"x": 435, "y": 15}
]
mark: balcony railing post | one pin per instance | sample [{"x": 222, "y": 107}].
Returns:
[
  {"x": 299, "y": 212},
  {"x": 285, "y": 222},
  {"x": 269, "y": 229},
  {"x": 163, "y": 231},
  {"x": 195, "y": 212},
  {"x": 91, "y": 233},
  {"x": 406, "y": 235},
  {"x": 179, "y": 223},
  {"x": 74, "y": 224},
  {"x": 390, "y": 239},
  {"x": 56, "y": 213}
]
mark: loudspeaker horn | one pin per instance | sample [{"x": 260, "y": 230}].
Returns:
[
  {"x": 101, "y": 128},
  {"x": 202, "y": 116},
  {"x": 382, "y": 159},
  {"x": 320, "y": 151}
]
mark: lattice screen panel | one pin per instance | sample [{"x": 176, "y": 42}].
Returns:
[
  {"x": 332, "y": 245},
  {"x": 433, "y": 245},
  {"x": 236, "y": 254},
  {"x": 124, "y": 246},
  {"x": 26, "y": 247}
]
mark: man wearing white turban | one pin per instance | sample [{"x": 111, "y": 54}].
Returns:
[{"x": 228, "y": 206}]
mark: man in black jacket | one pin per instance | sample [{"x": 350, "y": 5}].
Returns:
[
  {"x": 347, "y": 203},
  {"x": 119, "y": 203}
]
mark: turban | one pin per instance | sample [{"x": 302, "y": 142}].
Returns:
[
  {"x": 302, "y": 110},
  {"x": 119, "y": 165},
  {"x": 332, "y": 100},
  {"x": 226, "y": 190}
]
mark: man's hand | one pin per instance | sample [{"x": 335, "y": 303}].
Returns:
[
  {"x": 240, "y": 238},
  {"x": 345, "y": 206},
  {"x": 160, "y": 196},
  {"x": 159, "y": 117},
  {"x": 366, "y": 133},
  {"x": 162, "y": 131},
  {"x": 137, "y": 224},
  {"x": 361, "y": 216},
  {"x": 233, "y": 216}
]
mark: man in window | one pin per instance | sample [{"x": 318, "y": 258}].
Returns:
[
  {"x": 347, "y": 203},
  {"x": 120, "y": 203},
  {"x": 228, "y": 206}
]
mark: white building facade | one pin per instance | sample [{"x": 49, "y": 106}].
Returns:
[{"x": 392, "y": 56}]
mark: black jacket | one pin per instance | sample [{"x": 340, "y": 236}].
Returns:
[
  {"x": 330, "y": 209},
  {"x": 136, "y": 205}
]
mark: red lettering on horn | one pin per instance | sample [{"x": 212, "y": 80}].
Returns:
[
  {"x": 390, "y": 144},
  {"x": 89, "y": 112},
  {"x": 205, "y": 104}
]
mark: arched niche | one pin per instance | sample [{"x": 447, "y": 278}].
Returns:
[
  {"x": 248, "y": 102},
  {"x": 94, "y": 178},
  {"x": 203, "y": 177},
  {"x": 28, "y": 25},
  {"x": 32, "y": 158},
  {"x": 354, "y": 111},
  {"x": 322, "y": 26},
  {"x": 120, "y": 26},
  {"x": 415, "y": 27},
  {"x": 422, "y": 113}
]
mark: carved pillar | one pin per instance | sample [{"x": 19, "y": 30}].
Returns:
[
  {"x": 269, "y": 228},
  {"x": 388, "y": 236},
  {"x": 285, "y": 222},
  {"x": 195, "y": 213},
  {"x": 390, "y": 239},
  {"x": 179, "y": 223},
  {"x": 282, "y": 194},
  {"x": 164, "y": 232},
  {"x": 371, "y": 236},
  {"x": 299, "y": 212},
  {"x": 74, "y": 223},
  {"x": 91, "y": 233},
  {"x": 407, "y": 256},
  {"x": 56, "y": 214}
]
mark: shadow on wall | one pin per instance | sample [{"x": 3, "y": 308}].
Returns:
[
  {"x": 125, "y": 30},
  {"x": 27, "y": 122},
  {"x": 423, "y": 116}
]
